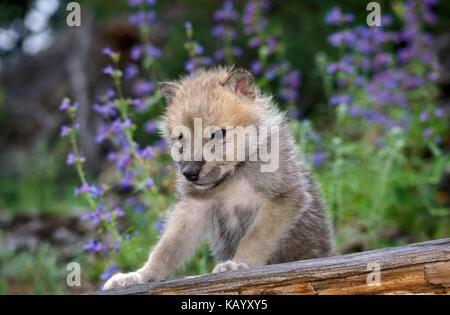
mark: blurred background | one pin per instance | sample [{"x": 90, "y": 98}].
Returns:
[{"x": 87, "y": 179}]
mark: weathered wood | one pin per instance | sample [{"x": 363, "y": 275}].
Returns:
[{"x": 422, "y": 268}]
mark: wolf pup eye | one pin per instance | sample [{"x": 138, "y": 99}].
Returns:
[{"x": 219, "y": 133}]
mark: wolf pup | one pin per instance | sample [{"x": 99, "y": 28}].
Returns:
[{"x": 252, "y": 216}]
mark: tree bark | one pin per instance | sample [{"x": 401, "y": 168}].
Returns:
[{"x": 422, "y": 268}]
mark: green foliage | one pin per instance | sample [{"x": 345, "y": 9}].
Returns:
[
  {"x": 42, "y": 269},
  {"x": 32, "y": 183},
  {"x": 369, "y": 189}
]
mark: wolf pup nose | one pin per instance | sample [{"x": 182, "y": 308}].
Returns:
[
  {"x": 241, "y": 182},
  {"x": 191, "y": 172}
]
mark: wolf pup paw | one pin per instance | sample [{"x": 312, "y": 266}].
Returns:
[
  {"x": 123, "y": 280},
  {"x": 229, "y": 265}
]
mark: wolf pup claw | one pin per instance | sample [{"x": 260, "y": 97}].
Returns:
[{"x": 252, "y": 216}]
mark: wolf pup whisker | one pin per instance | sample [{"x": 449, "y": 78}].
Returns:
[{"x": 252, "y": 217}]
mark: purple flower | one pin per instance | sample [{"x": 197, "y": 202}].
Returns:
[
  {"x": 147, "y": 153},
  {"x": 65, "y": 104},
  {"x": 189, "y": 65},
  {"x": 79, "y": 190},
  {"x": 226, "y": 12},
  {"x": 123, "y": 162},
  {"x": 423, "y": 116},
  {"x": 93, "y": 246},
  {"x": 149, "y": 183},
  {"x": 218, "y": 30},
  {"x": 335, "y": 39},
  {"x": 108, "y": 217},
  {"x": 199, "y": 49},
  {"x": 140, "y": 104},
  {"x": 107, "y": 51},
  {"x": 133, "y": 3},
  {"x": 110, "y": 94},
  {"x": 336, "y": 17},
  {"x": 108, "y": 70},
  {"x": 271, "y": 44},
  {"x": 159, "y": 225},
  {"x": 130, "y": 71},
  {"x": 427, "y": 13},
  {"x": 237, "y": 51},
  {"x": 136, "y": 52},
  {"x": 160, "y": 144},
  {"x": 64, "y": 131},
  {"x": 254, "y": 42},
  {"x": 106, "y": 110},
  {"x": 188, "y": 25},
  {"x": 118, "y": 124},
  {"x": 412, "y": 81},
  {"x": 256, "y": 67},
  {"x": 141, "y": 18},
  {"x": 386, "y": 20},
  {"x": 359, "y": 80},
  {"x": 152, "y": 51},
  {"x": 207, "y": 61},
  {"x": 103, "y": 133},
  {"x": 119, "y": 212},
  {"x": 150, "y": 127},
  {"x": 381, "y": 60},
  {"x": 271, "y": 72},
  {"x": 112, "y": 156},
  {"x": 437, "y": 139},
  {"x": 317, "y": 158},
  {"x": 70, "y": 158},
  {"x": 143, "y": 87},
  {"x": 219, "y": 54},
  {"x": 140, "y": 208},
  {"x": 433, "y": 76},
  {"x": 253, "y": 17},
  {"x": 292, "y": 79},
  {"x": 126, "y": 182},
  {"x": 96, "y": 191},
  {"x": 95, "y": 216},
  {"x": 289, "y": 94},
  {"x": 427, "y": 133},
  {"x": 111, "y": 269},
  {"x": 438, "y": 112},
  {"x": 340, "y": 99}
]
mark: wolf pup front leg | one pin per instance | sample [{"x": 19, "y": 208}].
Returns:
[
  {"x": 184, "y": 230},
  {"x": 262, "y": 239}
]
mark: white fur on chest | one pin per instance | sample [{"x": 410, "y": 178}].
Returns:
[
  {"x": 239, "y": 194},
  {"x": 237, "y": 201},
  {"x": 236, "y": 198}
]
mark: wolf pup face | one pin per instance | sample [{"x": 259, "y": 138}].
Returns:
[{"x": 202, "y": 112}]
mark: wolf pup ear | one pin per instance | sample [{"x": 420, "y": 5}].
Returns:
[
  {"x": 167, "y": 90},
  {"x": 241, "y": 81}
]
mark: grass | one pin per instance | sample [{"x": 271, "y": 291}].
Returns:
[{"x": 38, "y": 183}]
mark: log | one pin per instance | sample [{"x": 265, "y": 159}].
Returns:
[{"x": 421, "y": 268}]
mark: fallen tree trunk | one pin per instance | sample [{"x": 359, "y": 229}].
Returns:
[{"x": 422, "y": 268}]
